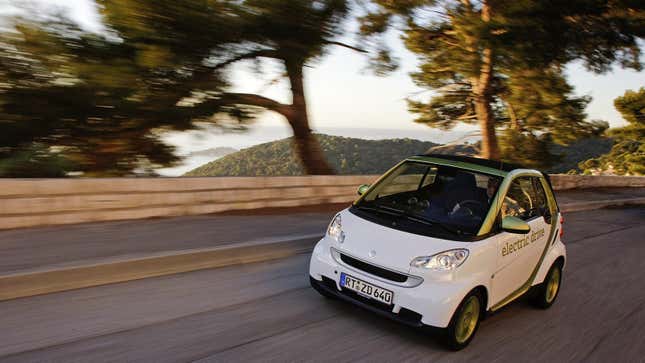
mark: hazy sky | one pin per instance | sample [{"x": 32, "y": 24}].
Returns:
[{"x": 342, "y": 94}]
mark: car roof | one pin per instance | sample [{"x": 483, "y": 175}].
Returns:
[
  {"x": 488, "y": 166},
  {"x": 495, "y": 164}
]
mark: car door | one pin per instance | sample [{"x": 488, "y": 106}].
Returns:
[{"x": 519, "y": 254}]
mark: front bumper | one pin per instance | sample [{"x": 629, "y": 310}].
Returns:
[
  {"x": 430, "y": 303},
  {"x": 328, "y": 287}
]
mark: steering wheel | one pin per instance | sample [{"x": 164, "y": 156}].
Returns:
[{"x": 469, "y": 206}]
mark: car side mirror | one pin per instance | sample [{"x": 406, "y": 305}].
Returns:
[
  {"x": 512, "y": 224},
  {"x": 363, "y": 188}
]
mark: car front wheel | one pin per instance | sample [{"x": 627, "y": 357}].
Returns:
[{"x": 464, "y": 322}]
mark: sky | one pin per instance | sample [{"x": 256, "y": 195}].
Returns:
[{"x": 343, "y": 95}]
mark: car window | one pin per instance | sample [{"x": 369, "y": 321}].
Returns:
[
  {"x": 520, "y": 200},
  {"x": 439, "y": 199},
  {"x": 540, "y": 196},
  {"x": 541, "y": 200},
  {"x": 408, "y": 180}
]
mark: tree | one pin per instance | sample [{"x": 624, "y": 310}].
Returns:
[
  {"x": 499, "y": 63},
  {"x": 294, "y": 33},
  {"x": 627, "y": 156},
  {"x": 103, "y": 99}
]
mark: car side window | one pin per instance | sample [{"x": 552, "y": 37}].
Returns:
[
  {"x": 541, "y": 201},
  {"x": 520, "y": 200}
]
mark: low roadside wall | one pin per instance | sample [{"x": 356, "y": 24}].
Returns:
[
  {"x": 563, "y": 182},
  {"x": 37, "y": 202}
]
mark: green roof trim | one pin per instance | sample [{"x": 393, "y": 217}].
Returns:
[{"x": 460, "y": 165}]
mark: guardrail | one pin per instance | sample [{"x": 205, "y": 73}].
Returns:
[{"x": 37, "y": 202}]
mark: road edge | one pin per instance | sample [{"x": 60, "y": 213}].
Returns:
[{"x": 24, "y": 284}]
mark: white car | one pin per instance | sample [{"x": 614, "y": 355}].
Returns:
[{"x": 442, "y": 240}]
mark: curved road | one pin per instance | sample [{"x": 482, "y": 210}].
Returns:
[{"x": 267, "y": 312}]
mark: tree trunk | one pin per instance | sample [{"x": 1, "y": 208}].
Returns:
[
  {"x": 307, "y": 147},
  {"x": 515, "y": 123},
  {"x": 490, "y": 147},
  {"x": 483, "y": 98}
]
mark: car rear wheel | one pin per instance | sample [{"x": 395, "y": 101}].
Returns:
[
  {"x": 465, "y": 321},
  {"x": 547, "y": 291}
]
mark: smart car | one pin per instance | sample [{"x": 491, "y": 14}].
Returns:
[{"x": 440, "y": 241}]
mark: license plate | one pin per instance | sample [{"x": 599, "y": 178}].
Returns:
[{"x": 366, "y": 289}]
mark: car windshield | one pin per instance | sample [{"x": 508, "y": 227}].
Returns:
[{"x": 435, "y": 198}]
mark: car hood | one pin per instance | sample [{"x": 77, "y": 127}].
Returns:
[{"x": 386, "y": 246}]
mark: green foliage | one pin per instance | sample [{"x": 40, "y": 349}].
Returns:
[
  {"x": 627, "y": 156},
  {"x": 35, "y": 162},
  {"x": 346, "y": 156},
  {"x": 103, "y": 100},
  {"x": 527, "y": 149},
  {"x": 500, "y": 63}
]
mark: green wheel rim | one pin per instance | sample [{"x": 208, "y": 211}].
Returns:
[
  {"x": 553, "y": 285},
  {"x": 467, "y": 319}
]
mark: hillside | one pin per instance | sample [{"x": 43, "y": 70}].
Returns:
[
  {"x": 346, "y": 155},
  {"x": 358, "y": 156},
  {"x": 214, "y": 152}
]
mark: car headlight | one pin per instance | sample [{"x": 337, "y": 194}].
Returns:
[
  {"x": 335, "y": 229},
  {"x": 444, "y": 261}
]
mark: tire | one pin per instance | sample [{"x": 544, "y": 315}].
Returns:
[
  {"x": 547, "y": 292},
  {"x": 465, "y": 322}
]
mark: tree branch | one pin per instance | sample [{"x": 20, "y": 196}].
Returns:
[
  {"x": 466, "y": 117},
  {"x": 251, "y": 99},
  {"x": 340, "y": 44},
  {"x": 265, "y": 53}
]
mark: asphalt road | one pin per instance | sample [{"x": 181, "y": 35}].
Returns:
[
  {"x": 267, "y": 312},
  {"x": 49, "y": 247}
]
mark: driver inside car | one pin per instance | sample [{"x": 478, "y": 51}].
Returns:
[{"x": 463, "y": 200}]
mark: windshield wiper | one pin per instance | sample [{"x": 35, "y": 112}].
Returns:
[
  {"x": 381, "y": 209},
  {"x": 399, "y": 211},
  {"x": 433, "y": 222},
  {"x": 413, "y": 217}
]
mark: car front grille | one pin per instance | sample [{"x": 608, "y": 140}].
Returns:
[{"x": 372, "y": 269}]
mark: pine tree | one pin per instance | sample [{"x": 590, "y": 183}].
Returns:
[
  {"x": 102, "y": 100},
  {"x": 499, "y": 63}
]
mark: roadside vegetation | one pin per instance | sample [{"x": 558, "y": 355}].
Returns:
[{"x": 627, "y": 156}]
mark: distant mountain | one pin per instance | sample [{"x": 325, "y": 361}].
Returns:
[
  {"x": 346, "y": 155},
  {"x": 214, "y": 152},
  {"x": 578, "y": 151},
  {"x": 358, "y": 156}
]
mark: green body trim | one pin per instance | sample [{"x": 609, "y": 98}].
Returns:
[{"x": 552, "y": 208}]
